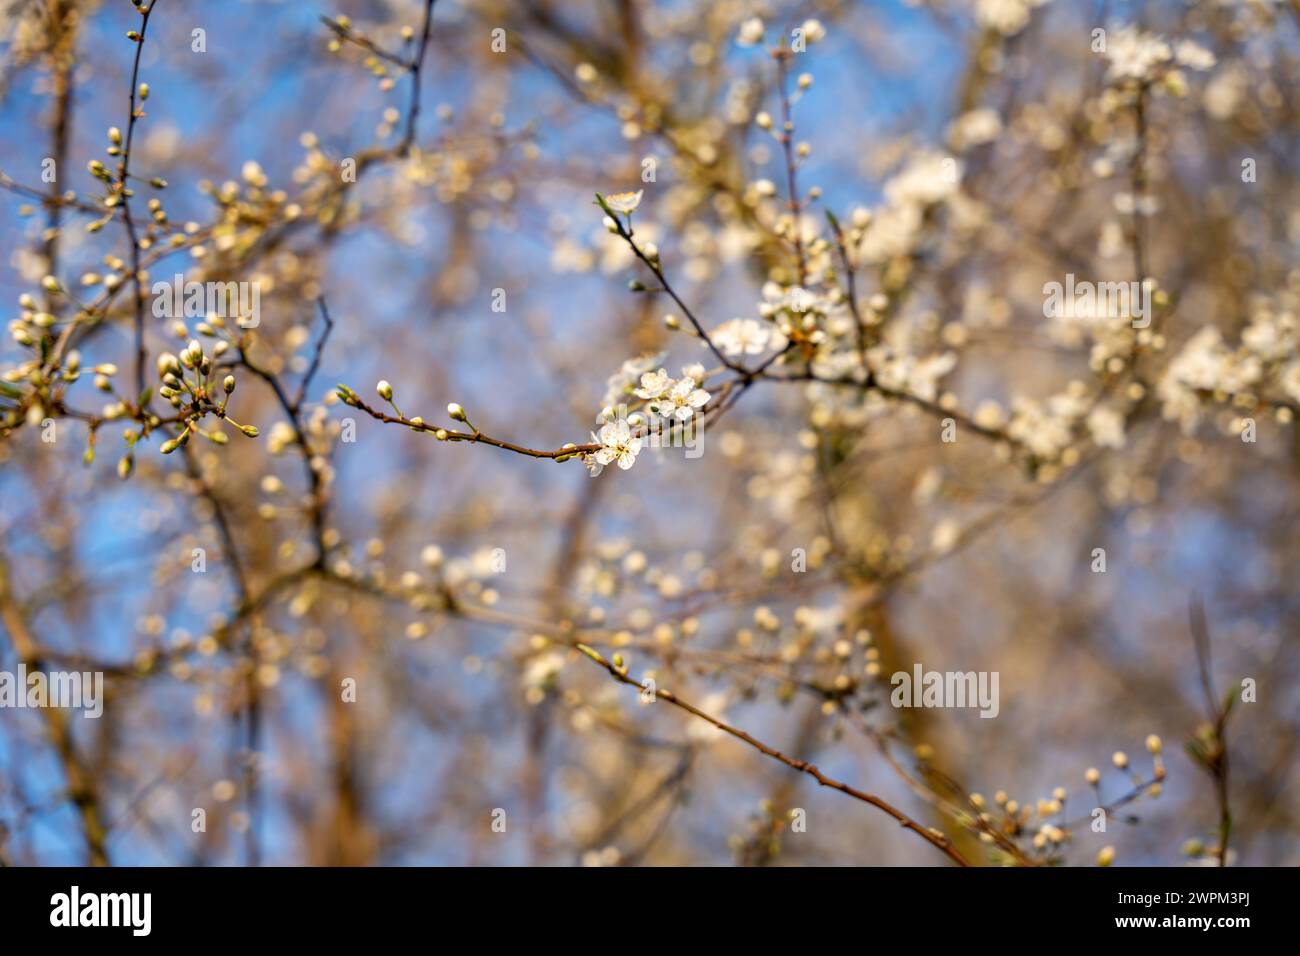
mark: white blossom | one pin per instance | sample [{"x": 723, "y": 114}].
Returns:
[
  {"x": 1007, "y": 17},
  {"x": 751, "y": 32},
  {"x": 1135, "y": 54},
  {"x": 814, "y": 31},
  {"x": 929, "y": 178},
  {"x": 682, "y": 400},
  {"x": 695, "y": 371},
  {"x": 541, "y": 670},
  {"x": 654, "y": 385},
  {"x": 618, "y": 444},
  {"x": 618, "y": 385},
  {"x": 743, "y": 337},
  {"x": 974, "y": 128},
  {"x": 625, "y": 203},
  {"x": 1106, "y": 425},
  {"x": 1193, "y": 56}
]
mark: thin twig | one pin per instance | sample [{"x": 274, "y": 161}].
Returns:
[
  {"x": 124, "y": 189},
  {"x": 937, "y": 839}
]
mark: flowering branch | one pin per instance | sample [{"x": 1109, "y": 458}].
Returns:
[
  {"x": 124, "y": 191},
  {"x": 349, "y": 397},
  {"x": 652, "y": 262}
]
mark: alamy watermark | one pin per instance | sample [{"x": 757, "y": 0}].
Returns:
[
  {"x": 1082, "y": 299},
  {"x": 241, "y": 301},
  {"x": 130, "y": 910},
  {"x": 924, "y": 688},
  {"x": 658, "y": 431},
  {"x": 75, "y": 690}
]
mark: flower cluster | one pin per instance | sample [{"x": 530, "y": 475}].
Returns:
[
  {"x": 675, "y": 401},
  {"x": 673, "y": 398},
  {"x": 747, "y": 337},
  {"x": 1262, "y": 368},
  {"x": 1136, "y": 55}
]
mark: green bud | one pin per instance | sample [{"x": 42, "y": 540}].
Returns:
[{"x": 590, "y": 652}]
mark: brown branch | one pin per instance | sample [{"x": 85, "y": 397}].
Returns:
[
  {"x": 1213, "y": 756},
  {"x": 446, "y": 434},
  {"x": 937, "y": 839},
  {"x": 124, "y": 190},
  {"x": 81, "y": 785},
  {"x": 413, "y": 110},
  {"x": 656, "y": 267},
  {"x": 787, "y": 147}
]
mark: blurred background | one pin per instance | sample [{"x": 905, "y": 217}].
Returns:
[{"x": 446, "y": 583}]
